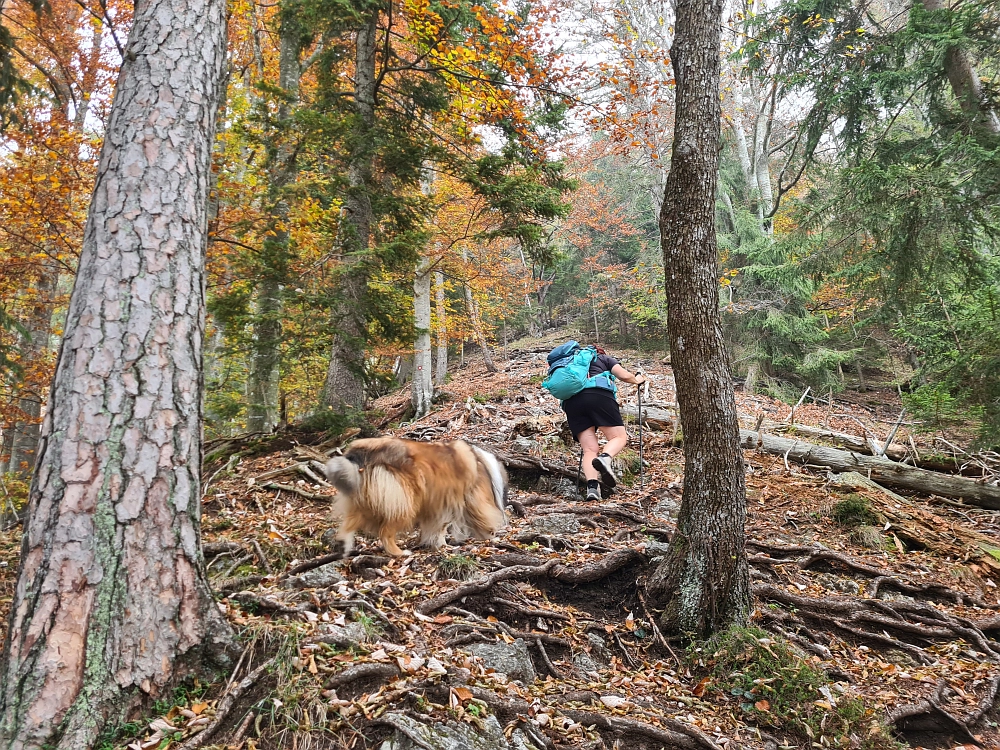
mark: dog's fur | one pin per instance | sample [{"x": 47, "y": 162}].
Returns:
[{"x": 388, "y": 485}]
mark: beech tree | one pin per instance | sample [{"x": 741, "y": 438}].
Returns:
[
  {"x": 112, "y": 601},
  {"x": 704, "y": 581}
]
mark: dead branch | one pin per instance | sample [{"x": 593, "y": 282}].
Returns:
[
  {"x": 235, "y": 584},
  {"x": 262, "y": 558},
  {"x": 214, "y": 549},
  {"x": 296, "y": 491}
]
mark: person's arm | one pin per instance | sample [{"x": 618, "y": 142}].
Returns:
[{"x": 622, "y": 374}]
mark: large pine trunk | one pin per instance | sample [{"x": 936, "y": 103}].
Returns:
[
  {"x": 344, "y": 387},
  {"x": 112, "y": 603},
  {"x": 703, "y": 583}
]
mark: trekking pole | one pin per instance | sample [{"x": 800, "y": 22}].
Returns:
[
  {"x": 579, "y": 471},
  {"x": 642, "y": 481}
]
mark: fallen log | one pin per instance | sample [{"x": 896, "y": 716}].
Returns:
[{"x": 880, "y": 470}]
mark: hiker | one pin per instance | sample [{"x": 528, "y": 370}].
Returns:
[{"x": 592, "y": 408}]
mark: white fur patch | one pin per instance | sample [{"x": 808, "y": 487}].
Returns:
[{"x": 496, "y": 477}]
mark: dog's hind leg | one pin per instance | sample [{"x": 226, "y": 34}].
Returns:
[
  {"x": 432, "y": 537},
  {"x": 388, "y": 539}
]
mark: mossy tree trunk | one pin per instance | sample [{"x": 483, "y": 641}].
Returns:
[
  {"x": 345, "y": 386},
  {"x": 112, "y": 604},
  {"x": 703, "y": 583}
]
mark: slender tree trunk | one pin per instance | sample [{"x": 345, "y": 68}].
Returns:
[
  {"x": 112, "y": 603},
  {"x": 423, "y": 388},
  {"x": 263, "y": 382},
  {"x": 345, "y": 386},
  {"x": 703, "y": 584},
  {"x": 39, "y": 327},
  {"x": 477, "y": 324},
  {"x": 965, "y": 82},
  {"x": 441, "y": 371}
]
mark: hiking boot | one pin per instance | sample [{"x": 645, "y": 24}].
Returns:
[
  {"x": 593, "y": 494},
  {"x": 603, "y": 464}
]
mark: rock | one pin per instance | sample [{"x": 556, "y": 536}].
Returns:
[
  {"x": 598, "y": 647},
  {"x": 839, "y": 584},
  {"x": 416, "y": 735},
  {"x": 562, "y": 486},
  {"x": 556, "y": 523},
  {"x": 656, "y": 549},
  {"x": 667, "y": 509},
  {"x": 525, "y": 445},
  {"x": 352, "y": 634},
  {"x": 511, "y": 659},
  {"x": 519, "y": 741},
  {"x": 586, "y": 663},
  {"x": 318, "y": 578}
]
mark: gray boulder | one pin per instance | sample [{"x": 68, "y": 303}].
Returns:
[
  {"x": 416, "y": 735},
  {"x": 317, "y": 578},
  {"x": 667, "y": 509},
  {"x": 511, "y": 659}
]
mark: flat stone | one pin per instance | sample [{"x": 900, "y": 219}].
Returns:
[
  {"x": 556, "y": 523},
  {"x": 657, "y": 549},
  {"x": 511, "y": 659},
  {"x": 667, "y": 509},
  {"x": 416, "y": 735},
  {"x": 317, "y": 578}
]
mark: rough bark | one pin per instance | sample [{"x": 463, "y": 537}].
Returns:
[
  {"x": 111, "y": 603},
  {"x": 262, "y": 384},
  {"x": 423, "y": 388},
  {"x": 441, "y": 370},
  {"x": 703, "y": 583},
  {"x": 344, "y": 386}
]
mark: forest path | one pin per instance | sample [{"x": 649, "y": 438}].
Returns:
[{"x": 546, "y": 629}]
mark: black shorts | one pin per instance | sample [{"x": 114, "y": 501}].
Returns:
[{"x": 592, "y": 407}]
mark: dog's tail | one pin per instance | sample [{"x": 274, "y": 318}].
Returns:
[
  {"x": 498, "y": 479},
  {"x": 345, "y": 477}
]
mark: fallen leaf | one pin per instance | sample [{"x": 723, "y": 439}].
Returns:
[
  {"x": 699, "y": 689},
  {"x": 762, "y": 705}
]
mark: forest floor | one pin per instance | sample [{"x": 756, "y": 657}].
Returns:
[{"x": 877, "y": 615}]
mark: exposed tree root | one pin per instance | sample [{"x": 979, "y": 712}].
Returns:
[
  {"x": 369, "y": 671},
  {"x": 930, "y": 716},
  {"x": 483, "y": 584},
  {"x": 673, "y": 734},
  {"x": 854, "y": 616},
  {"x": 226, "y": 705}
]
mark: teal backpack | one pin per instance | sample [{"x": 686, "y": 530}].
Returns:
[{"x": 569, "y": 371}]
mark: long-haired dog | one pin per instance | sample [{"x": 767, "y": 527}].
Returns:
[{"x": 388, "y": 485}]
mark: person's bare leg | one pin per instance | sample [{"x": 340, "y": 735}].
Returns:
[
  {"x": 617, "y": 438},
  {"x": 588, "y": 441}
]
